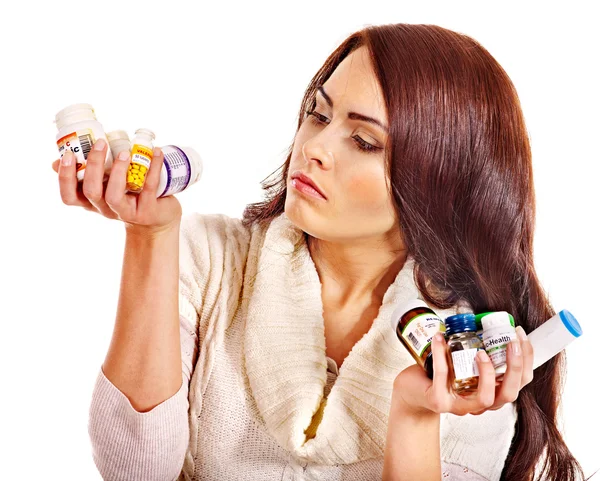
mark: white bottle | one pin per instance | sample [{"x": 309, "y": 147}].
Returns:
[
  {"x": 118, "y": 140},
  {"x": 181, "y": 168},
  {"x": 553, "y": 336},
  {"x": 497, "y": 334},
  {"x": 78, "y": 130}
]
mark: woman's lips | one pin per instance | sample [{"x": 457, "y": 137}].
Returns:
[{"x": 306, "y": 189}]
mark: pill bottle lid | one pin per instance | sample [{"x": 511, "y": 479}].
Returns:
[
  {"x": 496, "y": 319},
  {"x": 117, "y": 135},
  {"x": 74, "y": 113},
  {"x": 196, "y": 161},
  {"x": 404, "y": 308},
  {"x": 460, "y": 323},
  {"x": 478, "y": 318},
  {"x": 146, "y": 132},
  {"x": 570, "y": 323}
]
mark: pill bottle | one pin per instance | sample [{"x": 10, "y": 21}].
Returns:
[
  {"x": 78, "y": 130},
  {"x": 415, "y": 324},
  {"x": 141, "y": 156},
  {"x": 181, "y": 168},
  {"x": 480, "y": 327},
  {"x": 118, "y": 141},
  {"x": 463, "y": 344},
  {"x": 497, "y": 334},
  {"x": 553, "y": 336}
]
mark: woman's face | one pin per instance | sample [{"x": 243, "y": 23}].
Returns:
[{"x": 327, "y": 148}]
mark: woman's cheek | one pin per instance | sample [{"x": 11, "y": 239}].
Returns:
[{"x": 368, "y": 190}]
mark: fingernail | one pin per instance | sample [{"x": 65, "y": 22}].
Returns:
[
  {"x": 100, "y": 144},
  {"x": 438, "y": 337},
  {"x": 156, "y": 152},
  {"x": 482, "y": 355},
  {"x": 67, "y": 158},
  {"x": 124, "y": 155},
  {"x": 521, "y": 334},
  {"x": 514, "y": 344}
]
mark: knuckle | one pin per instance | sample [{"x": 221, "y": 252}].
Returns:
[
  {"x": 64, "y": 174},
  {"x": 486, "y": 400},
  {"x": 527, "y": 347},
  {"x": 68, "y": 199},
  {"x": 95, "y": 157},
  {"x": 440, "y": 406},
  {"x": 111, "y": 199},
  {"x": 93, "y": 194}
]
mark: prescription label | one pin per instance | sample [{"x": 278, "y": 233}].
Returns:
[
  {"x": 80, "y": 143},
  {"x": 465, "y": 364},
  {"x": 178, "y": 169},
  {"x": 140, "y": 154},
  {"x": 419, "y": 332}
]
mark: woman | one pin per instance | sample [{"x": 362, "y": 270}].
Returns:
[{"x": 413, "y": 140}]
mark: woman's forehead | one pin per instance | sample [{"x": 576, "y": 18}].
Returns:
[{"x": 353, "y": 85}]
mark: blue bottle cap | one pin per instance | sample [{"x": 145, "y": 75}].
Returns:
[
  {"x": 570, "y": 323},
  {"x": 460, "y": 323}
]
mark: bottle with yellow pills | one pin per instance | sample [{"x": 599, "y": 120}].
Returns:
[{"x": 141, "y": 156}]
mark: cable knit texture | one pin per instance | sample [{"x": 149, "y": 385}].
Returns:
[{"x": 260, "y": 400}]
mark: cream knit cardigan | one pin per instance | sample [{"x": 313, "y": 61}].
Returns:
[{"x": 253, "y": 342}]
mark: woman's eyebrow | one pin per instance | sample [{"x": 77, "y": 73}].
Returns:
[{"x": 353, "y": 115}]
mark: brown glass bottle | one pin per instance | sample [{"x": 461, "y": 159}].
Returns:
[
  {"x": 463, "y": 344},
  {"x": 415, "y": 324}
]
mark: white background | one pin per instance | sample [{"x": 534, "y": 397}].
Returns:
[{"x": 227, "y": 79}]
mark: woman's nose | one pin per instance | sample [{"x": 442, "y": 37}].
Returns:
[{"x": 313, "y": 150}]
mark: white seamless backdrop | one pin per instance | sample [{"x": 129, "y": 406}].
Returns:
[{"x": 227, "y": 79}]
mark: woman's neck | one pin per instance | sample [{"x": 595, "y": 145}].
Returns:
[{"x": 357, "y": 272}]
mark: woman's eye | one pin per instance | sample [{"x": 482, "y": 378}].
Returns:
[{"x": 318, "y": 119}]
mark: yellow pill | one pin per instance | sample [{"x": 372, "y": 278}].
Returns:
[
  {"x": 143, "y": 169},
  {"x": 136, "y": 167},
  {"x": 129, "y": 178}
]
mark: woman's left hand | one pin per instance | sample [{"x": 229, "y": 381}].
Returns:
[{"x": 416, "y": 392}]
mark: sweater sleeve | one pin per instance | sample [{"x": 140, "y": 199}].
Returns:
[{"x": 127, "y": 444}]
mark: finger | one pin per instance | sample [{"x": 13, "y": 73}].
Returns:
[
  {"x": 55, "y": 165},
  {"x": 67, "y": 181},
  {"x": 511, "y": 384},
  {"x": 440, "y": 398},
  {"x": 115, "y": 195},
  {"x": 486, "y": 388},
  {"x": 148, "y": 195},
  {"x": 93, "y": 187},
  {"x": 527, "y": 353}
]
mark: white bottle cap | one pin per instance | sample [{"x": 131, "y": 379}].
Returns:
[
  {"x": 117, "y": 135},
  {"x": 553, "y": 336},
  {"x": 196, "y": 163},
  {"x": 404, "y": 308},
  {"x": 495, "y": 319},
  {"x": 146, "y": 133},
  {"x": 118, "y": 140},
  {"x": 74, "y": 113}
]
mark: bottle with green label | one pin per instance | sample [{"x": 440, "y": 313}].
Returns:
[{"x": 480, "y": 325}]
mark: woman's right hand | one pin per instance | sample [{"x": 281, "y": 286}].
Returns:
[{"x": 142, "y": 213}]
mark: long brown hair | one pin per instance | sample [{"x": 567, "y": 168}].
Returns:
[{"x": 459, "y": 161}]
